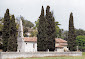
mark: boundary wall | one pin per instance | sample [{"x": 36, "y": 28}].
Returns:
[{"x": 10, "y": 55}]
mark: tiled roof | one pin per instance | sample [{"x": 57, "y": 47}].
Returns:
[
  {"x": 63, "y": 44},
  {"x": 34, "y": 39},
  {"x": 59, "y": 46},
  {"x": 59, "y": 40},
  {"x": 30, "y": 39}
]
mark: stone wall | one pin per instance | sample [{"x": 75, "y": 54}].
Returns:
[{"x": 4, "y": 55}]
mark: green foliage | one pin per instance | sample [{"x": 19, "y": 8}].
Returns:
[
  {"x": 71, "y": 35},
  {"x": 9, "y": 33},
  {"x": 33, "y": 33},
  {"x": 81, "y": 42},
  {"x": 37, "y": 24},
  {"x": 65, "y": 35},
  {"x": 47, "y": 27},
  {"x": 25, "y": 35},
  {"x": 26, "y": 23},
  {"x": 58, "y": 30},
  {"x": 1, "y": 46},
  {"x": 25, "y": 29},
  {"x": 13, "y": 35},
  {"x": 60, "y": 57},
  {"x": 79, "y": 32},
  {"x": 51, "y": 30},
  {"x": 83, "y": 53},
  {"x": 41, "y": 36},
  {"x": 1, "y": 26},
  {"x": 5, "y": 32}
]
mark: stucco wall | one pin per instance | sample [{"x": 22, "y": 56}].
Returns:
[
  {"x": 4, "y": 55},
  {"x": 21, "y": 46},
  {"x": 60, "y": 49},
  {"x": 29, "y": 47}
]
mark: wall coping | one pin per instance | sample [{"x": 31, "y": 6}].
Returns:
[{"x": 4, "y": 55}]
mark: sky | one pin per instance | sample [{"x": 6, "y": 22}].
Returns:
[{"x": 31, "y": 9}]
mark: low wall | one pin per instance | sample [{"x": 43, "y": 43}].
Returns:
[{"x": 4, "y": 55}]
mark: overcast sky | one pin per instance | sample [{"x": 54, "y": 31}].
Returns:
[{"x": 31, "y": 9}]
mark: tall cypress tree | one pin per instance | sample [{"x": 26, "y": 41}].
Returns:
[
  {"x": 5, "y": 33},
  {"x": 12, "y": 41},
  {"x": 51, "y": 30},
  {"x": 71, "y": 35},
  {"x": 42, "y": 28}
]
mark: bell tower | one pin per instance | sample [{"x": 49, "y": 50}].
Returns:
[{"x": 20, "y": 38}]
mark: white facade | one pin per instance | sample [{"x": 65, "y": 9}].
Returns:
[
  {"x": 22, "y": 45},
  {"x": 30, "y": 47},
  {"x": 59, "y": 49},
  {"x": 62, "y": 48}
]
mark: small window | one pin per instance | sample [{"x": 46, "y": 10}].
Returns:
[{"x": 19, "y": 50}]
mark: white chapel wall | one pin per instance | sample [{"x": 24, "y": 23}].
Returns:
[{"x": 29, "y": 47}]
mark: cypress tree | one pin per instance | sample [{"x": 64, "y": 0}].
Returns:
[
  {"x": 5, "y": 33},
  {"x": 42, "y": 28},
  {"x": 71, "y": 35},
  {"x": 51, "y": 30},
  {"x": 12, "y": 41}
]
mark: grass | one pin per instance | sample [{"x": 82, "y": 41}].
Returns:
[
  {"x": 62, "y": 57},
  {"x": 83, "y": 53},
  {"x": 81, "y": 57}
]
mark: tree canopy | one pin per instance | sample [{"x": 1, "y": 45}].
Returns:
[
  {"x": 26, "y": 23},
  {"x": 6, "y": 32},
  {"x": 71, "y": 35},
  {"x": 58, "y": 30},
  {"x": 42, "y": 36},
  {"x": 81, "y": 42},
  {"x": 12, "y": 41}
]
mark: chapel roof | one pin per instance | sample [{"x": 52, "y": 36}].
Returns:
[
  {"x": 34, "y": 39},
  {"x": 59, "y": 40},
  {"x": 30, "y": 39},
  {"x": 59, "y": 46}
]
